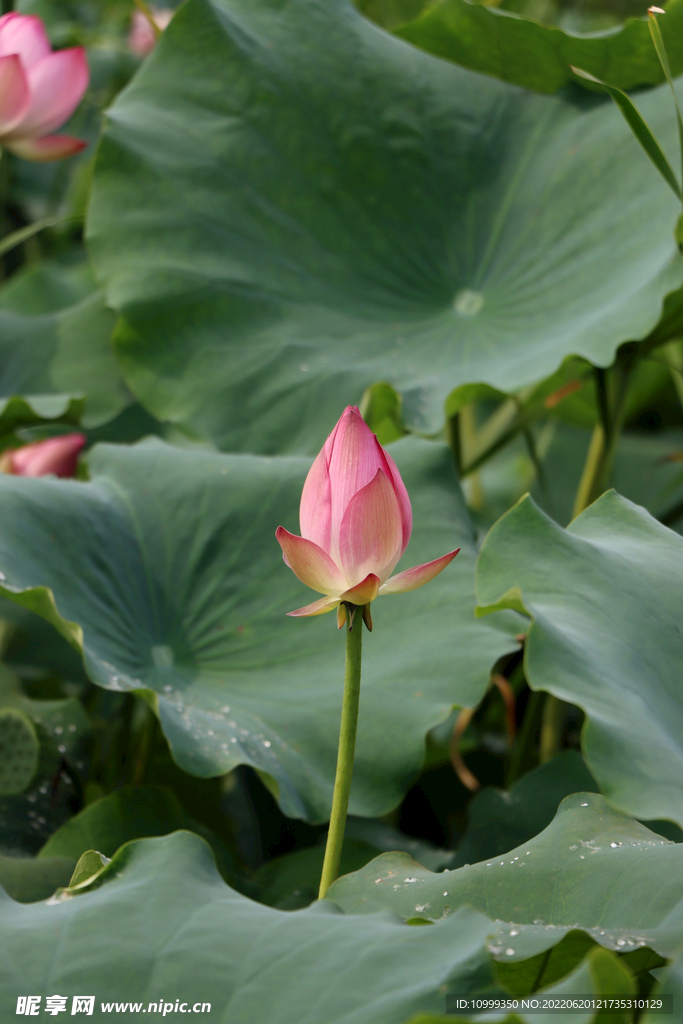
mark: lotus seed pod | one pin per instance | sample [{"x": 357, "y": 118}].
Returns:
[{"x": 19, "y": 752}]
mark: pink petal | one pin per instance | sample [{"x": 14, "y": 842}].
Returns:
[
  {"x": 371, "y": 531},
  {"x": 325, "y": 604},
  {"x": 311, "y": 564},
  {"x": 57, "y": 84},
  {"x": 24, "y": 35},
  {"x": 411, "y": 579},
  {"x": 14, "y": 93},
  {"x": 363, "y": 592},
  {"x": 354, "y": 457},
  {"x": 315, "y": 511},
  {"x": 58, "y": 455},
  {"x": 50, "y": 147},
  {"x": 403, "y": 499}
]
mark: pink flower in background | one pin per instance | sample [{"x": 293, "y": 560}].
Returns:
[
  {"x": 58, "y": 455},
  {"x": 39, "y": 90},
  {"x": 356, "y": 522},
  {"x": 141, "y": 38}
]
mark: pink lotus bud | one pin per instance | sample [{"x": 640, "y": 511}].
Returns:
[
  {"x": 141, "y": 38},
  {"x": 58, "y": 455},
  {"x": 356, "y": 522},
  {"x": 39, "y": 90}
]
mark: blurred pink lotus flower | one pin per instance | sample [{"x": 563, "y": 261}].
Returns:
[
  {"x": 58, "y": 455},
  {"x": 141, "y": 38},
  {"x": 356, "y": 522},
  {"x": 39, "y": 90}
]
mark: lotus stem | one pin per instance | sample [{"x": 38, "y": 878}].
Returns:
[{"x": 347, "y": 747}]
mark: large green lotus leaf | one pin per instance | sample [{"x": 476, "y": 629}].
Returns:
[
  {"x": 56, "y": 359},
  {"x": 282, "y": 224},
  {"x": 159, "y": 924},
  {"x": 670, "y": 983},
  {"x": 134, "y": 812},
  {"x": 606, "y": 597},
  {"x": 602, "y": 973},
  {"x": 540, "y": 57},
  {"x": 30, "y": 879},
  {"x": 592, "y": 868},
  {"x": 499, "y": 819},
  {"x": 166, "y": 570},
  {"x": 131, "y": 813}
]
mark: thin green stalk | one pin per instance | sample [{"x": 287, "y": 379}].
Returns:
[
  {"x": 591, "y": 471},
  {"x": 526, "y": 737},
  {"x": 603, "y": 445},
  {"x": 144, "y": 746},
  {"x": 23, "y": 234},
  {"x": 347, "y": 746},
  {"x": 551, "y": 728},
  {"x": 468, "y": 440},
  {"x": 674, "y": 353}
]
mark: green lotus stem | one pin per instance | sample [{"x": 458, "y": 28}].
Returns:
[
  {"x": 23, "y": 234},
  {"x": 551, "y": 728},
  {"x": 347, "y": 746},
  {"x": 603, "y": 445},
  {"x": 591, "y": 471}
]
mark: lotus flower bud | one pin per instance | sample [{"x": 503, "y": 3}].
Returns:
[
  {"x": 57, "y": 455},
  {"x": 356, "y": 521},
  {"x": 39, "y": 90}
]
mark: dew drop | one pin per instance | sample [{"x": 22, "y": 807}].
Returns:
[
  {"x": 614, "y": 845},
  {"x": 509, "y": 952}
]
